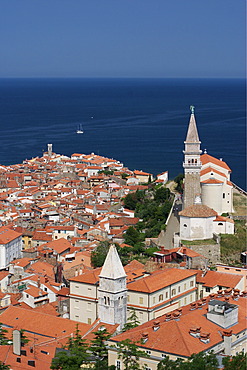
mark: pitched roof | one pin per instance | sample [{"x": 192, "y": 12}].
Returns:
[
  {"x": 212, "y": 181},
  {"x": 58, "y": 245},
  {"x": 112, "y": 268},
  {"x": 206, "y": 158},
  {"x": 198, "y": 210},
  {"x": 176, "y": 332},
  {"x": 7, "y": 235},
  {"x": 224, "y": 279},
  {"x": 160, "y": 279},
  {"x": 192, "y": 134},
  {"x": 40, "y": 323},
  {"x": 223, "y": 219},
  {"x": 211, "y": 169}
]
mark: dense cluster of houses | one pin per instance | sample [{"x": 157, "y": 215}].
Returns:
[{"x": 54, "y": 211}]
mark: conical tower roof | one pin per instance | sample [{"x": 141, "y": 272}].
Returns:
[
  {"x": 112, "y": 268},
  {"x": 192, "y": 134}
]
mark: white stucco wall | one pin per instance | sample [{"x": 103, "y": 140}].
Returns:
[
  {"x": 196, "y": 228},
  {"x": 221, "y": 227},
  {"x": 212, "y": 196}
]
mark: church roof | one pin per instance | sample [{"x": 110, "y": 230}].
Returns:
[
  {"x": 206, "y": 158},
  {"x": 212, "y": 181},
  {"x": 192, "y": 134},
  {"x": 112, "y": 268},
  {"x": 198, "y": 210}
]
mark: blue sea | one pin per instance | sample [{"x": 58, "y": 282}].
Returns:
[{"x": 141, "y": 122}]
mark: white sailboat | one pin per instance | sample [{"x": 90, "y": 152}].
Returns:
[{"x": 79, "y": 129}]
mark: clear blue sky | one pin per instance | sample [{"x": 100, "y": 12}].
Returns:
[{"x": 122, "y": 38}]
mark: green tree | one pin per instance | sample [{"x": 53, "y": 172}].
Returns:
[
  {"x": 124, "y": 176},
  {"x": 201, "y": 360},
  {"x": 131, "y": 200},
  {"x": 98, "y": 256},
  {"x": 162, "y": 194},
  {"x": 24, "y": 339},
  {"x": 133, "y": 237},
  {"x": 3, "y": 339},
  {"x": 73, "y": 355},
  {"x": 99, "y": 349},
  {"x": 167, "y": 364},
  {"x": 132, "y": 321},
  {"x": 179, "y": 179},
  {"x": 130, "y": 354},
  {"x": 237, "y": 362},
  {"x": 3, "y": 366}
]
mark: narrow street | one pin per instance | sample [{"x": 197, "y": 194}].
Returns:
[{"x": 173, "y": 225}]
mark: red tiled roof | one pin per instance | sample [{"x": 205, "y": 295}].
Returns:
[
  {"x": 212, "y": 181},
  {"x": 223, "y": 219},
  {"x": 159, "y": 280},
  {"x": 224, "y": 279},
  {"x": 7, "y": 235},
  {"x": 206, "y": 158},
  {"x": 176, "y": 332},
  {"x": 210, "y": 169},
  {"x": 198, "y": 210}
]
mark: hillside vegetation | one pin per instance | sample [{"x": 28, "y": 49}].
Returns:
[
  {"x": 232, "y": 245},
  {"x": 152, "y": 206}
]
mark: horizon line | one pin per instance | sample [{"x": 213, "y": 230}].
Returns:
[{"x": 118, "y": 77}]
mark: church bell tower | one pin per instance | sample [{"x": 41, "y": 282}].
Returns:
[
  {"x": 112, "y": 306},
  {"x": 192, "y": 163}
]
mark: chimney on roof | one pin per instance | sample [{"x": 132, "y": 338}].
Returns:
[
  {"x": 168, "y": 316},
  {"x": 227, "y": 336},
  {"x": 220, "y": 293},
  {"x": 192, "y": 306},
  {"x": 205, "y": 337},
  {"x": 176, "y": 315},
  {"x": 16, "y": 342},
  {"x": 144, "y": 337},
  {"x": 156, "y": 325},
  {"x": 222, "y": 313},
  {"x": 195, "y": 331},
  {"x": 235, "y": 295},
  {"x": 199, "y": 304}
]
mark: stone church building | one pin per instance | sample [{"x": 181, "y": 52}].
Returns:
[{"x": 207, "y": 191}]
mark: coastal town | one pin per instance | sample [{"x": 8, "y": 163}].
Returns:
[{"x": 58, "y": 212}]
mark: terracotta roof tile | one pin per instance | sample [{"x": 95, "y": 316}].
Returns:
[
  {"x": 206, "y": 158},
  {"x": 179, "y": 342},
  {"x": 159, "y": 280},
  {"x": 198, "y": 210}
]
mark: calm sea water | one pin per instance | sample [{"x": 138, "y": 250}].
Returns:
[{"x": 141, "y": 122}]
